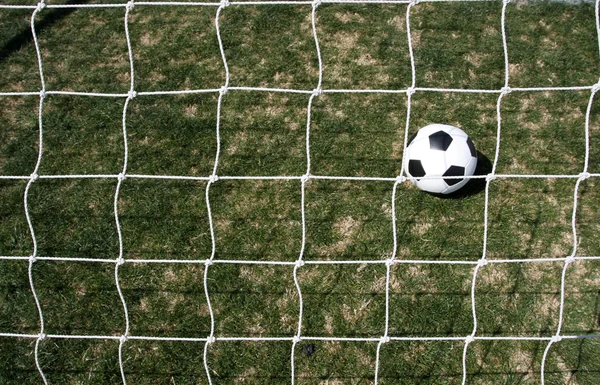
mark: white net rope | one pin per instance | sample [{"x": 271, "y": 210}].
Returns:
[{"x": 303, "y": 179}]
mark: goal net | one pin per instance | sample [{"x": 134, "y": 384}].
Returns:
[{"x": 527, "y": 218}]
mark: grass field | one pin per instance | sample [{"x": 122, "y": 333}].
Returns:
[{"x": 456, "y": 45}]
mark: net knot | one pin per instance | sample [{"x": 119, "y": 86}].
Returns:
[
  {"x": 400, "y": 179},
  {"x": 505, "y": 90},
  {"x": 570, "y": 259},
  {"x": 41, "y": 5},
  {"x": 299, "y": 263},
  {"x": 469, "y": 339},
  {"x": 223, "y": 90},
  {"x": 596, "y": 87},
  {"x": 32, "y": 258},
  {"x": 506, "y": 1},
  {"x": 305, "y": 178},
  {"x": 210, "y": 340},
  {"x": 411, "y": 90},
  {"x": 556, "y": 339},
  {"x": 42, "y": 336},
  {"x": 208, "y": 262},
  {"x": 121, "y": 177},
  {"x": 414, "y": 2},
  {"x": 297, "y": 339},
  {"x": 131, "y": 94},
  {"x": 490, "y": 177},
  {"x": 130, "y": 5},
  {"x": 213, "y": 178},
  {"x": 120, "y": 261},
  {"x": 584, "y": 175},
  {"x": 317, "y": 91},
  {"x": 34, "y": 176},
  {"x": 224, "y": 3},
  {"x": 123, "y": 338},
  {"x": 389, "y": 262},
  {"x": 316, "y": 3},
  {"x": 384, "y": 340},
  {"x": 482, "y": 262},
  {"x": 43, "y": 94}
]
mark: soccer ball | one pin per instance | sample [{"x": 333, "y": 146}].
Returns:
[{"x": 440, "y": 150}]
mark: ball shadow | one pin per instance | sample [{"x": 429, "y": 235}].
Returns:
[{"x": 473, "y": 186}]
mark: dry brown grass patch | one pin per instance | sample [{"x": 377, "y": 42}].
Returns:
[{"x": 345, "y": 228}]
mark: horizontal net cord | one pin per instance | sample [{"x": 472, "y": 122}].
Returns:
[
  {"x": 304, "y": 261},
  {"x": 306, "y": 92},
  {"x": 296, "y": 177},
  {"x": 217, "y": 4},
  {"x": 303, "y": 338}
]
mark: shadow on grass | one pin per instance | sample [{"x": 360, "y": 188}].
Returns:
[
  {"x": 25, "y": 37},
  {"x": 473, "y": 186}
]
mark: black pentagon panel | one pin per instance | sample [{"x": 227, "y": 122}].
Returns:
[
  {"x": 472, "y": 148},
  {"x": 454, "y": 171},
  {"x": 439, "y": 141},
  {"x": 415, "y": 168}
]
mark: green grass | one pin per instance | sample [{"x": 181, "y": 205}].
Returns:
[{"x": 363, "y": 46}]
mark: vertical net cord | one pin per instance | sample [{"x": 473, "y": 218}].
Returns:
[
  {"x": 411, "y": 90},
  {"x": 121, "y": 177},
  {"x": 210, "y": 339},
  {"x": 303, "y": 180},
  {"x": 483, "y": 260},
  {"x": 299, "y": 263},
  {"x": 33, "y": 177},
  {"x": 583, "y": 176},
  {"x": 400, "y": 179},
  {"x": 213, "y": 178},
  {"x": 388, "y": 266}
]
